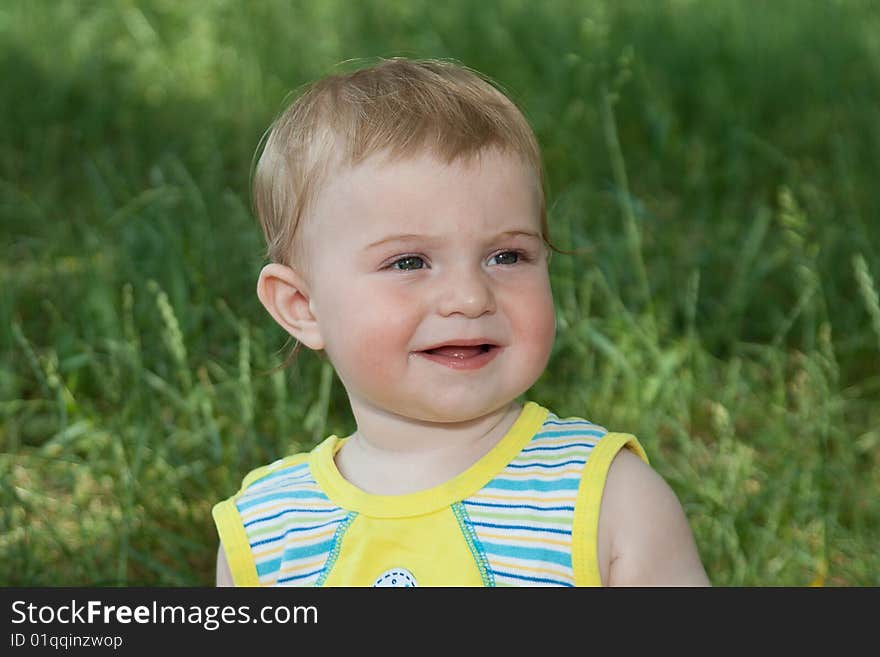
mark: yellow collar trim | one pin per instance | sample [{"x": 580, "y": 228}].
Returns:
[{"x": 350, "y": 497}]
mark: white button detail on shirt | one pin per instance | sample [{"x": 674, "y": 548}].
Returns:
[{"x": 396, "y": 577}]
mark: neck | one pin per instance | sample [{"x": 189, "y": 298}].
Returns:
[{"x": 392, "y": 455}]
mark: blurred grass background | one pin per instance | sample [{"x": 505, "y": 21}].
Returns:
[{"x": 719, "y": 159}]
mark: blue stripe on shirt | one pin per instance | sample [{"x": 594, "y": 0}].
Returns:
[
  {"x": 527, "y": 553},
  {"x": 546, "y": 465},
  {"x": 519, "y": 506},
  {"x": 534, "y": 484},
  {"x": 246, "y": 502}
]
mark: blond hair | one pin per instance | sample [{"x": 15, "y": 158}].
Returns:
[{"x": 400, "y": 107}]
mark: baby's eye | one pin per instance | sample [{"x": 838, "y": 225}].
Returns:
[
  {"x": 506, "y": 257},
  {"x": 408, "y": 263}
]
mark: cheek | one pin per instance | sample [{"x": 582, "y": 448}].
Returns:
[
  {"x": 535, "y": 316},
  {"x": 542, "y": 330},
  {"x": 374, "y": 328}
]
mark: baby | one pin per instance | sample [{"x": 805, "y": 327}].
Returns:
[{"x": 404, "y": 213}]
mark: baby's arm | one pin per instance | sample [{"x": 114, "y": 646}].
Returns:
[
  {"x": 644, "y": 536},
  {"x": 224, "y": 577}
]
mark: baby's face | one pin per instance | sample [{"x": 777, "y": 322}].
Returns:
[{"x": 408, "y": 256}]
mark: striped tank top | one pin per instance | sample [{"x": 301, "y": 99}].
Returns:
[{"x": 525, "y": 514}]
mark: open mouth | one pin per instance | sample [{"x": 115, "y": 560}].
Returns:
[
  {"x": 462, "y": 357},
  {"x": 460, "y": 351}
]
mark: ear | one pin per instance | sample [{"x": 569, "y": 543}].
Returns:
[{"x": 285, "y": 294}]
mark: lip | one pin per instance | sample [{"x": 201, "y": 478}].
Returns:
[{"x": 474, "y": 363}]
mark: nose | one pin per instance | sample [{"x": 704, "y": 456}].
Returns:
[{"x": 467, "y": 291}]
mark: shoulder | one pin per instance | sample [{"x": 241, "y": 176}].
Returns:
[
  {"x": 290, "y": 470},
  {"x": 278, "y": 470},
  {"x": 262, "y": 488},
  {"x": 265, "y": 493},
  {"x": 644, "y": 535}
]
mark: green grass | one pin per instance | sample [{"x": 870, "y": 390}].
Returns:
[{"x": 716, "y": 160}]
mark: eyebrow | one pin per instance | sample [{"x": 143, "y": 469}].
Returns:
[{"x": 412, "y": 237}]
